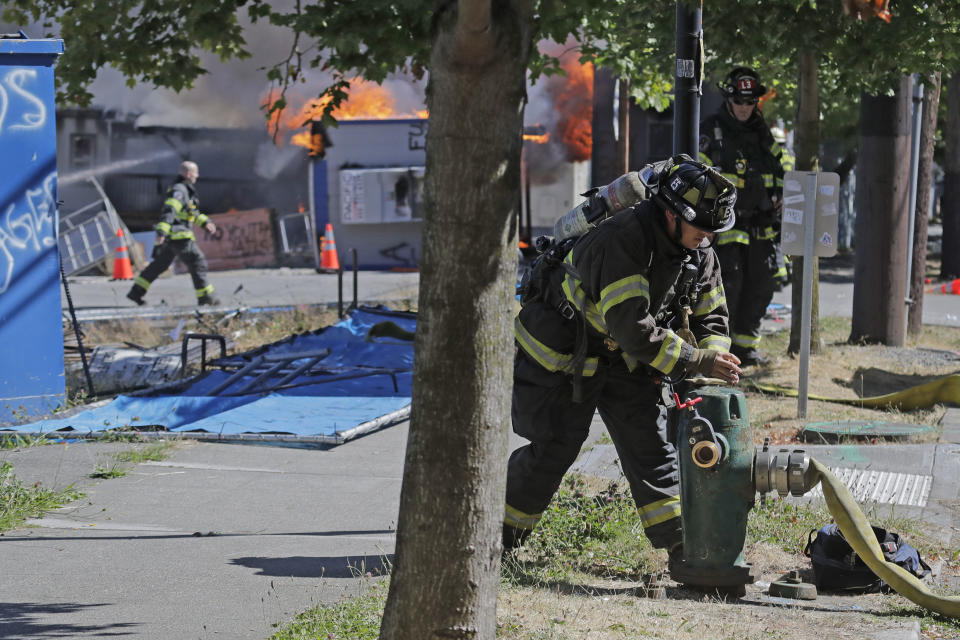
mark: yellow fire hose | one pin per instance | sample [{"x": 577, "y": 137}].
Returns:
[
  {"x": 945, "y": 390},
  {"x": 858, "y": 533}
]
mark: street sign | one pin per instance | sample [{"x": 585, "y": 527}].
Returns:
[
  {"x": 808, "y": 229},
  {"x": 798, "y": 190}
]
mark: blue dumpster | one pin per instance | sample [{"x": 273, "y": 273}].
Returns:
[{"x": 31, "y": 333}]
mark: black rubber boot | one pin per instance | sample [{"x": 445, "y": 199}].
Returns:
[
  {"x": 136, "y": 294},
  {"x": 208, "y": 299},
  {"x": 513, "y": 538}
]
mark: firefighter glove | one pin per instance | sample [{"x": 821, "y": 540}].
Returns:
[{"x": 702, "y": 361}]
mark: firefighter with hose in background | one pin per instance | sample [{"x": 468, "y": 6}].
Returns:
[
  {"x": 175, "y": 238},
  {"x": 737, "y": 141},
  {"x": 607, "y": 319}
]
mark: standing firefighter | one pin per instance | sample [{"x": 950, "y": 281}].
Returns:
[
  {"x": 606, "y": 319},
  {"x": 175, "y": 238},
  {"x": 738, "y": 141}
]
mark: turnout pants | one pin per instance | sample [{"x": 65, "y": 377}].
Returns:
[
  {"x": 749, "y": 282},
  {"x": 191, "y": 256},
  {"x": 544, "y": 412}
]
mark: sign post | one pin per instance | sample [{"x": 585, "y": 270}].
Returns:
[{"x": 808, "y": 229}]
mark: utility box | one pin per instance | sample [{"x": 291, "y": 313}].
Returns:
[{"x": 31, "y": 327}]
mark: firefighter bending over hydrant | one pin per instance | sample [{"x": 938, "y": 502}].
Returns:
[
  {"x": 175, "y": 238},
  {"x": 607, "y": 319}
]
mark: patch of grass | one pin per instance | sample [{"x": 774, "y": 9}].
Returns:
[
  {"x": 350, "y": 618},
  {"x": 840, "y": 371},
  {"x": 585, "y": 530},
  {"x": 104, "y": 473},
  {"x": 932, "y": 625},
  {"x": 14, "y": 440},
  {"x": 783, "y": 524},
  {"x": 17, "y": 502},
  {"x": 155, "y": 451}
]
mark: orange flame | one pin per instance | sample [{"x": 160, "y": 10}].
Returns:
[
  {"x": 573, "y": 101},
  {"x": 366, "y": 101},
  {"x": 769, "y": 95},
  {"x": 533, "y": 135}
]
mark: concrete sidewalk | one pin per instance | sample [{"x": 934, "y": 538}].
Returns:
[
  {"x": 97, "y": 297},
  {"x": 217, "y": 541}
]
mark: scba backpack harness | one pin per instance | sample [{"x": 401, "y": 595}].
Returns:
[{"x": 837, "y": 566}]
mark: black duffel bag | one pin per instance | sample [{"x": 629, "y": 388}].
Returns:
[{"x": 837, "y": 567}]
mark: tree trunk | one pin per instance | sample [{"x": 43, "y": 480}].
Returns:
[
  {"x": 603, "y": 161},
  {"x": 918, "y": 269},
  {"x": 807, "y": 147},
  {"x": 950, "y": 202},
  {"x": 883, "y": 192},
  {"x": 446, "y": 566}
]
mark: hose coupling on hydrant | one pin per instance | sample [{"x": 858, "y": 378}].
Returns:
[{"x": 786, "y": 471}]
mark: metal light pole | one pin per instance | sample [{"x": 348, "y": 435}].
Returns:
[{"x": 688, "y": 77}]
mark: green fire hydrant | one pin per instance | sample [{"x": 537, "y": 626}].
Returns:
[
  {"x": 721, "y": 472},
  {"x": 716, "y": 453}
]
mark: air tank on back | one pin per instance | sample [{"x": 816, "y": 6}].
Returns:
[{"x": 622, "y": 193}]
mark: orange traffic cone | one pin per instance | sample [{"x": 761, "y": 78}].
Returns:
[
  {"x": 951, "y": 287},
  {"x": 122, "y": 270},
  {"x": 329, "y": 261}
]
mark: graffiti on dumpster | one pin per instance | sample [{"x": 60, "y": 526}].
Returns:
[
  {"x": 26, "y": 228},
  {"x": 34, "y": 114}
]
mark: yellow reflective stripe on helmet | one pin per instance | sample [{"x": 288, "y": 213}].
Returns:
[
  {"x": 660, "y": 511},
  {"x": 732, "y": 236},
  {"x": 669, "y": 353},
  {"x": 717, "y": 343},
  {"x": 745, "y": 341},
  {"x": 622, "y": 290},
  {"x": 710, "y": 300},
  {"x": 520, "y": 520},
  {"x": 176, "y": 204},
  {"x": 548, "y": 358},
  {"x": 142, "y": 282}
]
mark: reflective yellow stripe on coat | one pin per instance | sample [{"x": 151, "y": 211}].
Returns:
[{"x": 548, "y": 358}]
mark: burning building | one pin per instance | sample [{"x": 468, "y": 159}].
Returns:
[{"x": 364, "y": 176}]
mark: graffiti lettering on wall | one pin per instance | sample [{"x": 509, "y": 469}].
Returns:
[
  {"x": 417, "y": 135},
  {"x": 26, "y": 228},
  {"x": 250, "y": 239},
  {"x": 243, "y": 239},
  {"x": 32, "y": 112}
]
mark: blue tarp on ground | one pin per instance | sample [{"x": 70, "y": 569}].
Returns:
[{"x": 355, "y": 383}]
